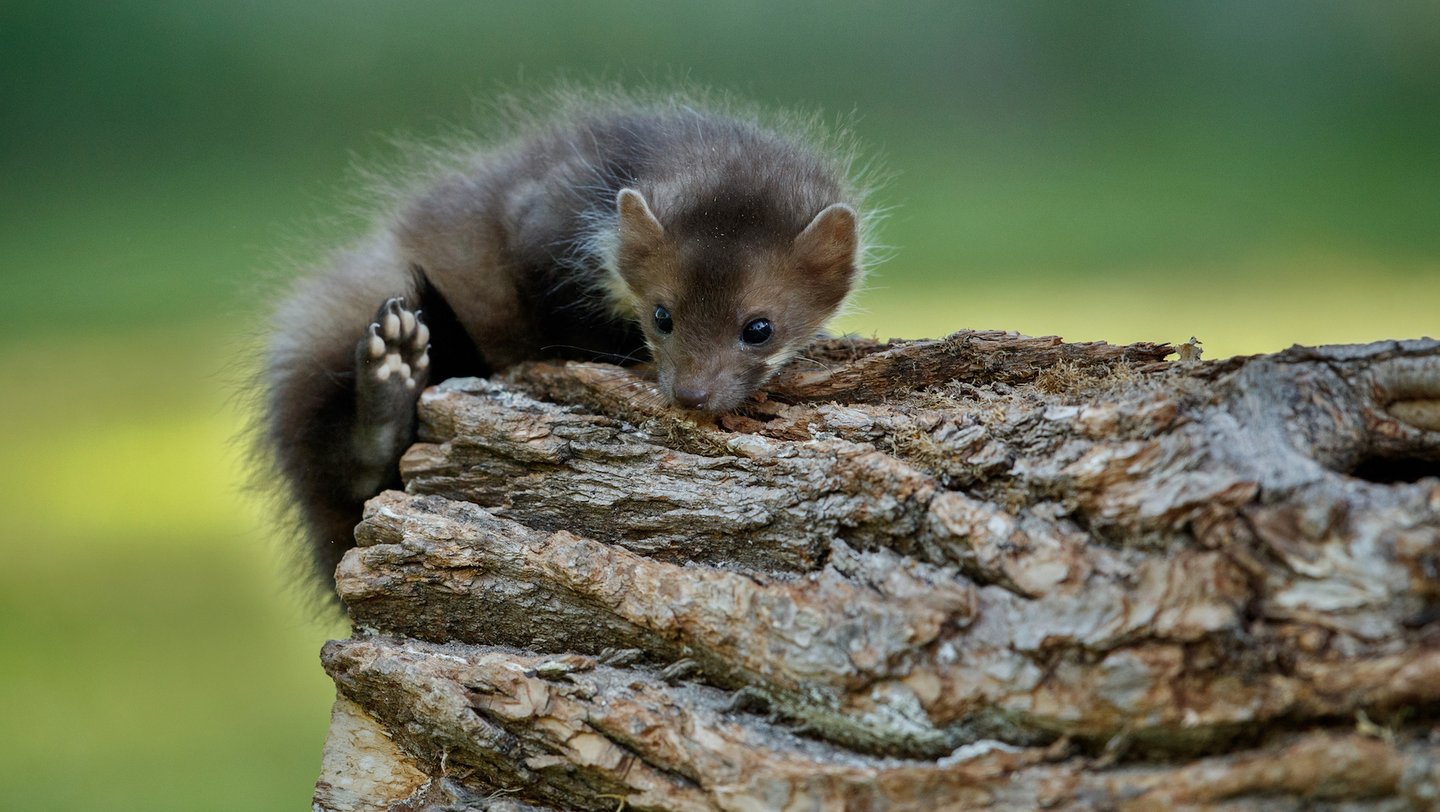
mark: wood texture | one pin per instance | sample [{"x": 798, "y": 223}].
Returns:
[{"x": 985, "y": 571}]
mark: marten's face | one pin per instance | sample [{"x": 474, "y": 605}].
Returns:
[
  {"x": 720, "y": 326},
  {"x": 721, "y": 316}
]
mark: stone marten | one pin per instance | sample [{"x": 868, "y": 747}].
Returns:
[{"x": 707, "y": 243}]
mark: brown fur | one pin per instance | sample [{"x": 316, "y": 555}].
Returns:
[{"x": 532, "y": 251}]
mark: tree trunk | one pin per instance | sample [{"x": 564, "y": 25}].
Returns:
[{"x": 986, "y": 571}]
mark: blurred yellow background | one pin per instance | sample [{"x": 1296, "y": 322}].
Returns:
[{"x": 1254, "y": 174}]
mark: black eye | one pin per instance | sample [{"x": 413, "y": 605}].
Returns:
[
  {"x": 662, "y": 320},
  {"x": 757, "y": 332}
]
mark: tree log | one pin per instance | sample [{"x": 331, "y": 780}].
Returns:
[{"x": 984, "y": 571}]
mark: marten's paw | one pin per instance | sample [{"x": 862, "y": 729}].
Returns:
[
  {"x": 392, "y": 362},
  {"x": 394, "y": 354}
]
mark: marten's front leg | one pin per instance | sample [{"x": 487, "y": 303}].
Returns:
[{"x": 392, "y": 364}]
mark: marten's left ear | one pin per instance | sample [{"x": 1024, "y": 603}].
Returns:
[
  {"x": 639, "y": 230},
  {"x": 828, "y": 245}
]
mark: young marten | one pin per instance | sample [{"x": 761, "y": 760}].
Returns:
[{"x": 712, "y": 245}]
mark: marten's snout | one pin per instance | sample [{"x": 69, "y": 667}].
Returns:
[
  {"x": 691, "y": 397},
  {"x": 704, "y": 390},
  {"x": 714, "y": 394}
]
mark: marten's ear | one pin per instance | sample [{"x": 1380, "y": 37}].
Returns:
[
  {"x": 827, "y": 246},
  {"x": 640, "y": 231}
]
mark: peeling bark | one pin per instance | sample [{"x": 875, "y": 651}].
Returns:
[{"x": 985, "y": 571}]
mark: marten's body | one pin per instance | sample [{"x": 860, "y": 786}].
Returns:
[{"x": 711, "y": 245}]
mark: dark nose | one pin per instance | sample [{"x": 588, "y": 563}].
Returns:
[{"x": 691, "y": 397}]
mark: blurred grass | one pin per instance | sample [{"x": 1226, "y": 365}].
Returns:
[
  {"x": 155, "y": 655},
  {"x": 154, "y": 673},
  {"x": 1252, "y": 174},
  {"x": 1289, "y": 300}
]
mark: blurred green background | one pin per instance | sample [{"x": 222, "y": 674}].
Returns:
[{"x": 1254, "y": 174}]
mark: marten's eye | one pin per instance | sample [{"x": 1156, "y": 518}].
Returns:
[
  {"x": 757, "y": 332},
  {"x": 663, "y": 323}
]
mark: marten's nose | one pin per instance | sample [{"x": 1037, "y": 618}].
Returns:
[{"x": 691, "y": 397}]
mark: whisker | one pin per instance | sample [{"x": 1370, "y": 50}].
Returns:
[
  {"x": 814, "y": 361},
  {"x": 630, "y": 357}
]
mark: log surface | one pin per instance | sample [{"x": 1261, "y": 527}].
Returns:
[{"x": 984, "y": 571}]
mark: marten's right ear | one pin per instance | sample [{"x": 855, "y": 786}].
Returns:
[
  {"x": 640, "y": 231},
  {"x": 827, "y": 248},
  {"x": 831, "y": 238}
]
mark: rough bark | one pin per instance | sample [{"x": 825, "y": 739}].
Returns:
[{"x": 985, "y": 571}]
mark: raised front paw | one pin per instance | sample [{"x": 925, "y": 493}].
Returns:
[
  {"x": 392, "y": 363},
  {"x": 395, "y": 351}
]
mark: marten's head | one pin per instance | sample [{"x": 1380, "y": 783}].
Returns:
[{"x": 730, "y": 290}]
